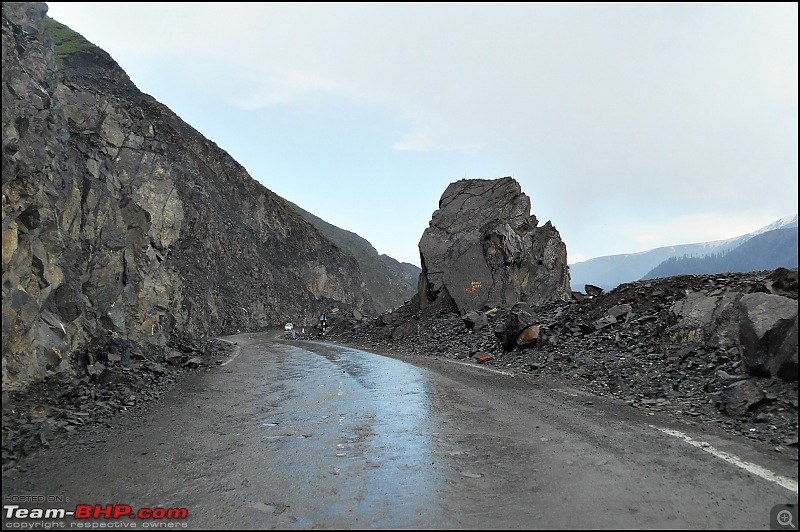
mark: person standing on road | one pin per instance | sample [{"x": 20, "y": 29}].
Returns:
[{"x": 323, "y": 321}]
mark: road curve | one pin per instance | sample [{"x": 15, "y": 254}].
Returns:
[{"x": 290, "y": 434}]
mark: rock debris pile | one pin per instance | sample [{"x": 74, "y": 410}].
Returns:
[
  {"x": 118, "y": 378},
  {"x": 700, "y": 347}
]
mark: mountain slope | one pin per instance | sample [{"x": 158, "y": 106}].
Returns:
[
  {"x": 610, "y": 271},
  {"x": 121, "y": 219},
  {"x": 767, "y": 251},
  {"x": 389, "y": 282}
]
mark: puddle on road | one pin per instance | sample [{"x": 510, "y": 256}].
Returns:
[{"x": 354, "y": 436}]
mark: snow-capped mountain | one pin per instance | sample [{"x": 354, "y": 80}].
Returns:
[{"x": 610, "y": 271}]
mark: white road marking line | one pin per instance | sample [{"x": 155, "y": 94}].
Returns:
[
  {"x": 572, "y": 392},
  {"x": 565, "y": 392},
  {"x": 766, "y": 474},
  {"x": 485, "y": 368},
  {"x": 235, "y": 353}
]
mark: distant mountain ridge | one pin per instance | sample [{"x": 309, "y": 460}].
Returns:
[
  {"x": 389, "y": 282},
  {"x": 610, "y": 271},
  {"x": 767, "y": 251}
]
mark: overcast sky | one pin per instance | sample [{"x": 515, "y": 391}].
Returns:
[{"x": 630, "y": 126}]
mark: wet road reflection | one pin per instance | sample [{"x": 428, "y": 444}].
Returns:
[{"x": 352, "y": 432}]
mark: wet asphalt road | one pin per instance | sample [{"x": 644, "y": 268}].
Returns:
[{"x": 290, "y": 434}]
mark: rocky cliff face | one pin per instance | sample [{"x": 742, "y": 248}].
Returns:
[
  {"x": 118, "y": 217},
  {"x": 390, "y": 283},
  {"x": 483, "y": 248}
]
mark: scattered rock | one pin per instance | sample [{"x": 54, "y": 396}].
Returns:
[
  {"x": 740, "y": 396},
  {"x": 592, "y": 290},
  {"x": 617, "y": 311},
  {"x": 475, "y": 320},
  {"x": 62, "y": 405},
  {"x": 529, "y": 336},
  {"x": 517, "y": 320},
  {"x": 192, "y": 363},
  {"x": 768, "y": 335},
  {"x": 605, "y": 321},
  {"x": 649, "y": 357}
]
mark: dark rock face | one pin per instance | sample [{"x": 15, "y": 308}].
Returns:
[
  {"x": 768, "y": 335},
  {"x": 119, "y": 217},
  {"x": 483, "y": 248}
]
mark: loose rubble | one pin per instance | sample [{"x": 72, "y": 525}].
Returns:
[
  {"x": 118, "y": 379},
  {"x": 629, "y": 358},
  {"x": 614, "y": 344}
]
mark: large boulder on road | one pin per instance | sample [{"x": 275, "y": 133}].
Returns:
[{"x": 483, "y": 249}]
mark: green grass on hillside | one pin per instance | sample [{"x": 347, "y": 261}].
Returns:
[{"x": 65, "y": 40}]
